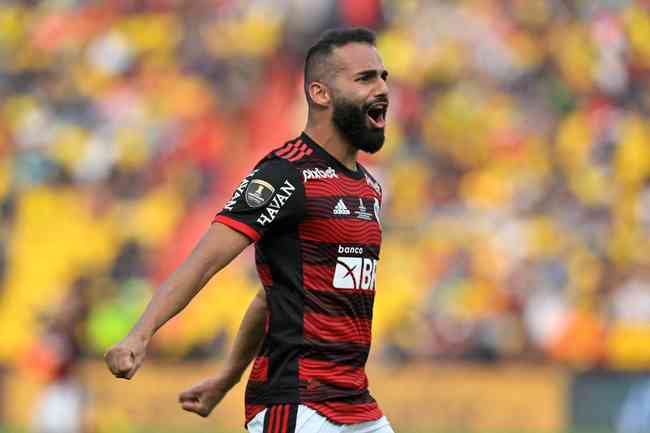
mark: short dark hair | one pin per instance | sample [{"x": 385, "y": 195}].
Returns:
[{"x": 316, "y": 67}]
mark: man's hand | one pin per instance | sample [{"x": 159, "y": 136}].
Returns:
[
  {"x": 218, "y": 246},
  {"x": 125, "y": 358},
  {"x": 203, "y": 397}
]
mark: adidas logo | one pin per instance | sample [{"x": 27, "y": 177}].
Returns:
[{"x": 341, "y": 209}]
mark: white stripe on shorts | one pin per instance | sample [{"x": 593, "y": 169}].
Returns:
[{"x": 310, "y": 421}]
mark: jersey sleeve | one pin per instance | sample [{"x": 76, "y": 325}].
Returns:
[{"x": 270, "y": 197}]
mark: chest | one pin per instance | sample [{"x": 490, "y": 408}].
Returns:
[{"x": 343, "y": 212}]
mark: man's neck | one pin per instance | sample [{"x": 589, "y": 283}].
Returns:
[{"x": 330, "y": 139}]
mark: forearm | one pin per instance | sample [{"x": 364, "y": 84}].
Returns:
[
  {"x": 217, "y": 248},
  {"x": 247, "y": 342},
  {"x": 171, "y": 298}
]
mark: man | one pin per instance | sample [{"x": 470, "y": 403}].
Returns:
[{"x": 313, "y": 212}]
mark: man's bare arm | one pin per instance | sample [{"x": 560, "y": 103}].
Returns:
[
  {"x": 248, "y": 341},
  {"x": 215, "y": 250},
  {"x": 203, "y": 397}
]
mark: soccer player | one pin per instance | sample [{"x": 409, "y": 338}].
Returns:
[{"x": 313, "y": 212}]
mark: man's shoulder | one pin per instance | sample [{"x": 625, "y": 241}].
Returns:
[
  {"x": 285, "y": 163},
  {"x": 292, "y": 152}
]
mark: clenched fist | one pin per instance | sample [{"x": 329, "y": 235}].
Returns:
[
  {"x": 125, "y": 358},
  {"x": 203, "y": 397}
]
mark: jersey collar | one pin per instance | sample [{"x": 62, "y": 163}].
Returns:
[{"x": 358, "y": 174}]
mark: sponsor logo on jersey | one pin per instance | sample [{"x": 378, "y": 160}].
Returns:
[
  {"x": 258, "y": 193},
  {"x": 355, "y": 273},
  {"x": 362, "y": 213},
  {"x": 239, "y": 191},
  {"x": 317, "y": 173},
  {"x": 340, "y": 208},
  {"x": 279, "y": 200},
  {"x": 350, "y": 250}
]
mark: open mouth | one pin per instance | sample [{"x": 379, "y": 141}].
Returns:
[{"x": 376, "y": 114}]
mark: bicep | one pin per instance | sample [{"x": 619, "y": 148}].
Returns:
[
  {"x": 219, "y": 246},
  {"x": 260, "y": 298}
]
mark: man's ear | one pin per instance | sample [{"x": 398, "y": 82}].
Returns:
[{"x": 319, "y": 94}]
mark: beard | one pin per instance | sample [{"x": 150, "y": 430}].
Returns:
[{"x": 350, "y": 120}]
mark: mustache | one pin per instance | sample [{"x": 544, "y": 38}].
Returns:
[{"x": 380, "y": 98}]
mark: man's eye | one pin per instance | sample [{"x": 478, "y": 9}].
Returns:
[{"x": 364, "y": 78}]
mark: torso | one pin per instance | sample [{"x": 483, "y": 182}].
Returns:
[{"x": 319, "y": 273}]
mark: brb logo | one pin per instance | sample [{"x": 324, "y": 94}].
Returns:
[{"x": 355, "y": 273}]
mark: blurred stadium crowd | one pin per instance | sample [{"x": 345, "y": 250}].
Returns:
[{"x": 516, "y": 169}]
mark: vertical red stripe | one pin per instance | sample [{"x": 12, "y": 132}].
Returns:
[
  {"x": 269, "y": 426},
  {"x": 286, "y": 418},
  {"x": 277, "y": 420},
  {"x": 294, "y": 148},
  {"x": 300, "y": 154},
  {"x": 291, "y": 154}
]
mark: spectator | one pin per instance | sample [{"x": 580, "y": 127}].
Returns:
[{"x": 516, "y": 170}]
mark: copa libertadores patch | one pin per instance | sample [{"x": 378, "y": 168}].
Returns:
[{"x": 258, "y": 193}]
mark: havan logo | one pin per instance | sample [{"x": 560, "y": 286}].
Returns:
[
  {"x": 278, "y": 201},
  {"x": 355, "y": 273}
]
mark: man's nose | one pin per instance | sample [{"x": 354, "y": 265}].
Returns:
[{"x": 381, "y": 89}]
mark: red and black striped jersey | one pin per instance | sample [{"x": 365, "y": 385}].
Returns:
[{"x": 318, "y": 234}]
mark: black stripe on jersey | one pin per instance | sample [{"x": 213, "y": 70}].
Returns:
[
  {"x": 286, "y": 308},
  {"x": 352, "y": 354},
  {"x": 324, "y": 392},
  {"x": 321, "y": 253},
  {"x": 280, "y": 418},
  {"x": 347, "y": 303},
  {"x": 256, "y": 392},
  {"x": 291, "y": 422},
  {"x": 265, "y": 349}
]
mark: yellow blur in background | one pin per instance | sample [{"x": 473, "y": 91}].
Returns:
[{"x": 516, "y": 170}]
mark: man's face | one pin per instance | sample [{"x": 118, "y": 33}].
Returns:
[{"x": 360, "y": 96}]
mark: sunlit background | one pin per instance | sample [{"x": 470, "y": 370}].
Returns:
[{"x": 514, "y": 282}]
